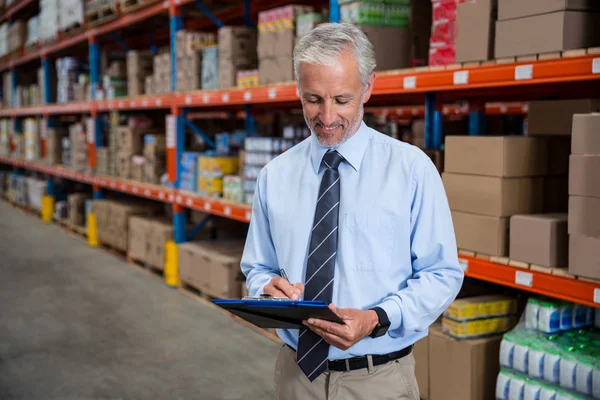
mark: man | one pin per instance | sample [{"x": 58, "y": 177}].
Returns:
[{"x": 358, "y": 220}]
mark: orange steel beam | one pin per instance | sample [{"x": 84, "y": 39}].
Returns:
[
  {"x": 574, "y": 290},
  {"x": 8, "y": 13}
]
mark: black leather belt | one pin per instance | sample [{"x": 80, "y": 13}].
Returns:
[{"x": 351, "y": 364}]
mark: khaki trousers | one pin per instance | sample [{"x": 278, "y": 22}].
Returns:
[{"x": 395, "y": 380}]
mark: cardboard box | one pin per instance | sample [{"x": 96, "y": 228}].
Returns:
[
  {"x": 540, "y": 239},
  {"x": 584, "y": 171},
  {"x": 138, "y": 245},
  {"x": 462, "y": 369},
  {"x": 584, "y": 256},
  {"x": 237, "y": 42},
  {"x": 228, "y": 70},
  {"x": 503, "y": 156},
  {"x": 584, "y": 216},
  {"x": 123, "y": 167},
  {"x": 190, "y": 270},
  {"x": 508, "y": 9},
  {"x": 76, "y": 203},
  {"x": 498, "y": 197},
  {"x": 137, "y": 170},
  {"x": 131, "y": 140},
  {"x": 475, "y": 28},
  {"x": 559, "y": 150},
  {"x": 284, "y": 43},
  {"x": 557, "y": 31},
  {"x": 556, "y": 194},
  {"x": 276, "y": 70},
  {"x": 389, "y": 54},
  {"x": 481, "y": 233},
  {"x": 555, "y": 117},
  {"x": 160, "y": 233},
  {"x": 421, "y": 355},
  {"x": 586, "y": 138}
]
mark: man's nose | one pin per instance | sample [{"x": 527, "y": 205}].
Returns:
[{"x": 327, "y": 113}]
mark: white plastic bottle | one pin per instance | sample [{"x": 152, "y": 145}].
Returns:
[
  {"x": 521, "y": 355},
  {"x": 568, "y": 366},
  {"x": 516, "y": 389},
  {"x": 549, "y": 317},
  {"x": 507, "y": 350},
  {"x": 535, "y": 362},
  {"x": 532, "y": 390},
  {"x": 566, "y": 316},
  {"x": 547, "y": 392},
  {"x": 532, "y": 311},
  {"x": 503, "y": 384},
  {"x": 552, "y": 363},
  {"x": 584, "y": 373}
]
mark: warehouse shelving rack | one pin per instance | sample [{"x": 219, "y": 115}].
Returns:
[{"x": 575, "y": 74}]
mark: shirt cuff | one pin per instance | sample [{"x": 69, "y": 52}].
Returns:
[{"x": 392, "y": 309}]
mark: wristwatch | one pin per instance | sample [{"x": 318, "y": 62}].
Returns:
[{"x": 383, "y": 325}]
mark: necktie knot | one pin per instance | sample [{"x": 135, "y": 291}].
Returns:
[{"x": 332, "y": 159}]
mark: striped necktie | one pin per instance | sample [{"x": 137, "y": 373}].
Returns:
[{"x": 312, "y": 349}]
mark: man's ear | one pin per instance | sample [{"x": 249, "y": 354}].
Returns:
[{"x": 369, "y": 88}]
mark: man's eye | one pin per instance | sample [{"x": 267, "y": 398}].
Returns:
[
  {"x": 312, "y": 101},
  {"x": 342, "y": 102}
]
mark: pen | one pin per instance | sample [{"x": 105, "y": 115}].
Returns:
[{"x": 283, "y": 274}]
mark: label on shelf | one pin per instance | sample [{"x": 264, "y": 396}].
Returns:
[
  {"x": 410, "y": 82},
  {"x": 272, "y": 93},
  {"x": 248, "y": 215},
  {"x": 524, "y": 278},
  {"x": 188, "y": 99},
  {"x": 597, "y": 295},
  {"x": 91, "y": 130},
  {"x": 121, "y": 104},
  {"x": 227, "y": 211},
  {"x": 132, "y": 104},
  {"x": 247, "y": 95},
  {"x": 596, "y": 66},
  {"x": 171, "y": 131},
  {"x": 178, "y": 199},
  {"x": 189, "y": 202},
  {"x": 134, "y": 189},
  {"x": 207, "y": 206},
  {"x": 464, "y": 264},
  {"x": 145, "y": 103},
  {"x": 205, "y": 99},
  {"x": 523, "y": 72},
  {"x": 159, "y": 102},
  {"x": 161, "y": 195},
  {"x": 225, "y": 97},
  {"x": 461, "y": 77},
  {"x": 147, "y": 192}
]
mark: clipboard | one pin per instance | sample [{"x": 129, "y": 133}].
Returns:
[{"x": 278, "y": 313}]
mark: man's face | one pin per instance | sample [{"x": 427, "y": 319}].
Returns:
[{"x": 332, "y": 99}]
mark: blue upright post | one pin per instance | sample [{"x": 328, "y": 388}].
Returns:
[
  {"x": 477, "y": 119},
  {"x": 179, "y": 224},
  {"x": 437, "y": 139},
  {"x": 97, "y": 193},
  {"x": 50, "y": 186},
  {"x": 176, "y": 22},
  {"x": 94, "y": 66},
  {"x": 47, "y": 79},
  {"x": 13, "y": 87},
  {"x": 249, "y": 121},
  {"x": 334, "y": 11},
  {"x": 247, "y": 13},
  {"x": 430, "y": 105},
  {"x": 179, "y": 142}
]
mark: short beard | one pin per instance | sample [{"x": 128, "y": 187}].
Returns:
[{"x": 347, "y": 134}]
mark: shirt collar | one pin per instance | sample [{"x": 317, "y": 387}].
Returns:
[{"x": 352, "y": 149}]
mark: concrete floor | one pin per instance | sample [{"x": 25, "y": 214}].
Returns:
[{"x": 77, "y": 323}]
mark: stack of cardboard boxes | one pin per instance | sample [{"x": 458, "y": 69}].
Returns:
[
  {"x": 113, "y": 220},
  {"x": 558, "y": 25},
  {"x": 489, "y": 179},
  {"x": 17, "y": 35},
  {"x": 189, "y": 46},
  {"x": 276, "y": 41},
  {"x": 155, "y": 158},
  {"x": 210, "y": 67},
  {"x": 147, "y": 238},
  {"x": 54, "y": 140},
  {"x": 78, "y": 147},
  {"x": 212, "y": 266},
  {"x": 584, "y": 200},
  {"x": 237, "y": 51},
  {"x": 211, "y": 170},
  {"x": 160, "y": 82},
  {"x": 130, "y": 142},
  {"x": 76, "y": 202},
  {"x": 139, "y": 67}
]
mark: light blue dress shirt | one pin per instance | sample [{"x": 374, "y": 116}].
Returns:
[{"x": 396, "y": 244}]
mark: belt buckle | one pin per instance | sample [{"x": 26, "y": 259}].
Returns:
[{"x": 347, "y": 361}]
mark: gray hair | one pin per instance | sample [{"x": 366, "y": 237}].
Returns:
[{"x": 324, "y": 44}]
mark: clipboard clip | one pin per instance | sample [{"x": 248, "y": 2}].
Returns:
[{"x": 265, "y": 297}]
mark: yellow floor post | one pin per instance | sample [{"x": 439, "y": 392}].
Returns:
[
  {"x": 92, "y": 230},
  {"x": 47, "y": 208},
  {"x": 171, "y": 264}
]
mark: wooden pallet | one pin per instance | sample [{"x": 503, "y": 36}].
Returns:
[
  {"x": 129, "y": 6},
  {"x": 101, "y": 15},
  {"x": 145, "y": 266},
  {"x": 76, "y": 230}
]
